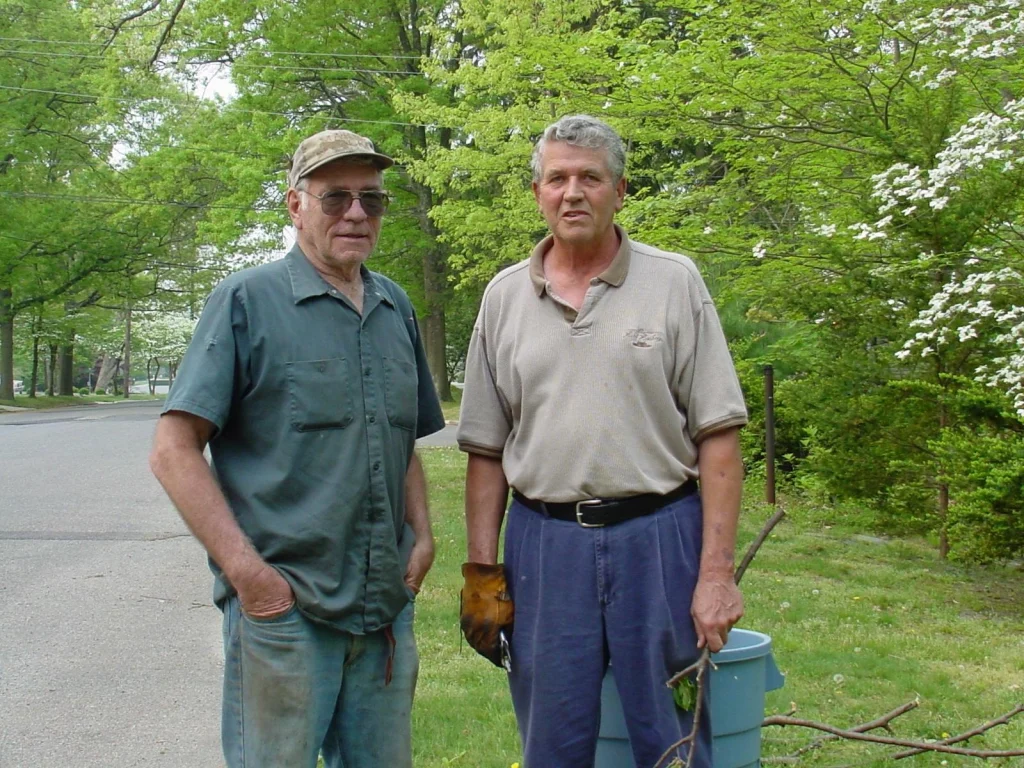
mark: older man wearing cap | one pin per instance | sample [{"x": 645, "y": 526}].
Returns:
[{"x": 307, "y": 379}]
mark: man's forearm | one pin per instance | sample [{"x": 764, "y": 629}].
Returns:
[
  {"x": 417, "y": 512},
  {"x": 721, "y": 490},
  {"x": 486, "y": 496},
  {"x": 178, "y": 463}
]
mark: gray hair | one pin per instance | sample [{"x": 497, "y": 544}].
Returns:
[{"x": 583, "y": 131}]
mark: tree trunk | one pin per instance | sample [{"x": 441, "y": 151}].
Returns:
[
  {"x": 102, "y": 375},
  {"x": 35, "y": 367},
  {"x": 152, "y": 376},
  {"x": 6, "y": 346},
  {"x": 108, "y": 370},
  {"x": 51, "y": 378},
  {"x": 435, "y": 287},
  {"x": 435, "y": 340},
  {"x": 128, "y": 353},
  {"x": 67, "y": 366}
]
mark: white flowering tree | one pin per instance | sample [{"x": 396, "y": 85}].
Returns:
[{"x": 161, "y": 338}]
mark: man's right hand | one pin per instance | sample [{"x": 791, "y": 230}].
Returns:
[
  {"x": 486, "y": 609},
  {"x": 264, "y": 593}
]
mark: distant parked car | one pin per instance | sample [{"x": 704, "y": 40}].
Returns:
[{"x": 19, "y": 387}]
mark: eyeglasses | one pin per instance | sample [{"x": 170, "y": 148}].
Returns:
[{"x": 338, "y": 201}]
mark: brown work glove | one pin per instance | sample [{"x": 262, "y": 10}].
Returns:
[{"x": 486, "y": 608}]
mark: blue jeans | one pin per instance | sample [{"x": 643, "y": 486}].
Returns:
[
  {"x": 294, "y": 688},
  {"x": 587, "y": 596}
]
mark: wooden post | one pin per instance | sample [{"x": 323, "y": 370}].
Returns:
[{"x": 769, "y": 435}]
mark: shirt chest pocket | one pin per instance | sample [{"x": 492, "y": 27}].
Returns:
[
  {"x": 319, "y": 394},
  {"x": 400, "y": 392}
]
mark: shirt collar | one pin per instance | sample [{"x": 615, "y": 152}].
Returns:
[
  {"x": 307, "y": 282},
  {"x": 614, "y": 274}
]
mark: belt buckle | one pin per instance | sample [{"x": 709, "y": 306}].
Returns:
[{"x": 579, "y": 512}]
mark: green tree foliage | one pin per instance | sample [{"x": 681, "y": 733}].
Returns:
[
  {"x": 836, "y": 168},
  {"x": 93, "y": 189}
]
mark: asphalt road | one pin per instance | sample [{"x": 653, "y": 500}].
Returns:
[{"x": 110, "y": 648}]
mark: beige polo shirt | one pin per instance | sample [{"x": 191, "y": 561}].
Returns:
[{"x": 610, "y": 401}]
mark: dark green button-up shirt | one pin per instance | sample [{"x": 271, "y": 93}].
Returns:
[{"x": 317, "y": 409}]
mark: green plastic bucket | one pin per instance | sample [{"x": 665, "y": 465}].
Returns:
[{"x": 745, "y": 670}]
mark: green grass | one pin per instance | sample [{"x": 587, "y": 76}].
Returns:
[
  {"x": 43, "y": 402},
  {"x": 858, "y": 629},
  {"x": 463, "y": 715},
  {"x": 450, "y": 408}
]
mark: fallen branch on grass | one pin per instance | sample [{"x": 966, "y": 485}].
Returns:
[
  {"x": 881, "y": 722},
  {"x": 918, "y": 746},
  {"x": 967, "y": 734}
]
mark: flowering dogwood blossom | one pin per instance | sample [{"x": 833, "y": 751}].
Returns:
[
  {"x": 979, "y": 30},
  {"x": 985, "y": 307}
]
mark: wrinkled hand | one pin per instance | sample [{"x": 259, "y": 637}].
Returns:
[
  {"x": 264, "y": 593},
  {"x": 717, "y": 606},
  {"x": 420, "y": 559},
  {"x": 486, "y": 608}
]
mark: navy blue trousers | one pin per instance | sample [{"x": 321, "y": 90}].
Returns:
[{"x": 587, "y": 596}]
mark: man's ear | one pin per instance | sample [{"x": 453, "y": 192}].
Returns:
[
  {"x": 620, "y": 193},
  {"x": 294, "y": 201}
]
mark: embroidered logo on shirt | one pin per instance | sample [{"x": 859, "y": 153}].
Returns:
[{"x": 638, "y": 337}]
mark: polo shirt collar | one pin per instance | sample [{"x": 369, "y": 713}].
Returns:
[
  {"x": 614, "y": 274},
  {"x": 307, "y": 282}
]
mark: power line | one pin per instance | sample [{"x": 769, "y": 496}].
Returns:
[
  {"x": 134, "y": 201},
  {"x": 217, "y": 50},
  {"x": 54, "y": 54},
  {"x": 126, "y": 100},
  {"x": 456, "y": 167},
  {"x": 309, "y": 115},
  {"x": 247, "y": 65},
  {"x": 234, "y": 64}
]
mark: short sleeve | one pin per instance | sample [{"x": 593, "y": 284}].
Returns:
[
  {"x": 215, "y": 369},
  {"x": 429, "y": 417},
  {"x": 484, "y": 421},
  {"x": 709, "y": 391}
]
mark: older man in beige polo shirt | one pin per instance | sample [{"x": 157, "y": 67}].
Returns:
[{"x": 599, "y": 387}]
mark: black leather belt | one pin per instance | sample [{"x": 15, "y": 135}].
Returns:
[{"x": 595, "y": 513}]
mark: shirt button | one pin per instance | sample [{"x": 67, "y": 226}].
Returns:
[
  {"x": 372, "y": 418},
  {"x": 366, "y": 371},
  {"x": 376, "y": 466},
  {"x": 320, "y": 367}
]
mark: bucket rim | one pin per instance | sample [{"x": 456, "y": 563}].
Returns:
[{"x": 751, "y": 645}]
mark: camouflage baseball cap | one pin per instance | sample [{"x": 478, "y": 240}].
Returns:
[{"x": 327, "y": 146}]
